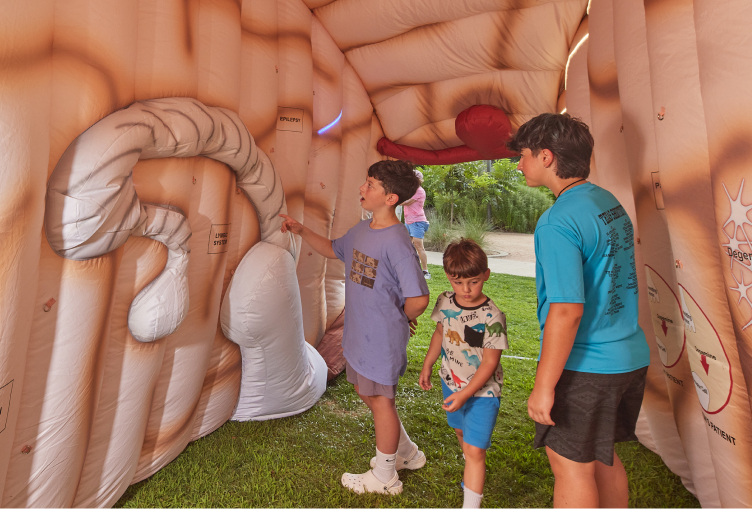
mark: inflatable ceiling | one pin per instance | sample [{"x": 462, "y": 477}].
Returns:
[{"x": 147, "y": 295}]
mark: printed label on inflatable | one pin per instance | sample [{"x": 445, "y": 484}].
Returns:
[
  {"x": 657, "y": 190},
  {"x": 5, "y": 393},
  {"x": 666, "y": 316},
  {"x": 290, "y": 119},
  {"x": 738, "y": 249},
  {"x": 711, "y": 371},
  {"x": 218, "y": 237}
]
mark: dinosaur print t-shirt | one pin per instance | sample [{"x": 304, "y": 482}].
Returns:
[{"x": 467, "y": 331}]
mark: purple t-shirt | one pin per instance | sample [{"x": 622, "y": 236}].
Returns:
[{"x": 382, "y": 269}]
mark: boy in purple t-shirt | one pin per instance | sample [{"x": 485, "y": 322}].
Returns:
[{"x": 385, "y": 292}]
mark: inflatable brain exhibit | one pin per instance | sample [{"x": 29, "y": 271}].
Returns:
[{"x": 147, "y": 294}]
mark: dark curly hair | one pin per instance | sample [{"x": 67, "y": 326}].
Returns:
[
  {"x": 568, "y": 139},
  {"x": 396, "y": 177}
]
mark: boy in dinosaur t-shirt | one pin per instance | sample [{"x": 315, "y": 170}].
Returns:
[{"x": 470, "y": 334}]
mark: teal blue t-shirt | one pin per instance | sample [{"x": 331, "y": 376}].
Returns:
[{"x": 584, "y": 253}]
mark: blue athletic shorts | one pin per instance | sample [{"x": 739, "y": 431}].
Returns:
[
  {"x": 476, "y": 418},
  {"x": 418, "y": 229}
]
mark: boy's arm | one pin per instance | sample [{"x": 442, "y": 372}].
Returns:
[
  {"x": 320, "y": 244},
  {"x": 434, "y": 350},
  {"x": 414, "y": 307},
  {"x": 558, "y": 337},
  {"x": 485, "y": 371}
]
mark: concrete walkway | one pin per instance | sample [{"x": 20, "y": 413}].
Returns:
[{"x": 497, "y": 265}]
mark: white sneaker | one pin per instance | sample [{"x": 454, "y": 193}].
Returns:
[
  {"x": 426, "y": 274},
  {"x": 414, "y": 462},
  {"x": 369, "y": 483}
]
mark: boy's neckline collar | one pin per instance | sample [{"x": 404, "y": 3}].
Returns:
[
  {"x": 473, "y": 308},
  {"x": 370, "y": 225}
]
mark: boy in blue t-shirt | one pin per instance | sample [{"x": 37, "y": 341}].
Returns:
[
  {"x": 470, "y": 334},
  {"x": 594, "y": 357},
  {"x": 385, "y": 292}
]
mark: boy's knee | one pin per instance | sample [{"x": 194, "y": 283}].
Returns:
[
  {"x": 474, "y": 454},
  {"x": 563, "y": 467},
  {"x": 381, "y": 402}
]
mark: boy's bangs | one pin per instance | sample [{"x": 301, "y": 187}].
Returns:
[
  {"x": 462, "y": 270},
  {"x": 465, "y": 259}
]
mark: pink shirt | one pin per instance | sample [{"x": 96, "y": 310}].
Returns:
[{"x": 414, "y": 212}]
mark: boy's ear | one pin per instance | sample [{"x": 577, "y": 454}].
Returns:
[
  {"x": 547, "y": 157},
  {"x": 486, "y": 274},
  {"x": 392, "y": 199}
]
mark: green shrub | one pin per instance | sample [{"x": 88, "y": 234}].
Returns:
[
  {"x": 475, "y": 229},
  {"x": 439, "y": 233},
  {"x": 520, "y": 210}
]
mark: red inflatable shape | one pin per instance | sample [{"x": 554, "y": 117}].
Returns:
[{"x": 485, "y": 130}]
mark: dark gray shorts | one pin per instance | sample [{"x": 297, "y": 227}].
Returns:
[
  {"x": 366, "y": 386},
  {"x": 592, "y": 412}
]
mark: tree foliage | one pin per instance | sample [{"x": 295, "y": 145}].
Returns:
[{"x": 466, "y": 190}]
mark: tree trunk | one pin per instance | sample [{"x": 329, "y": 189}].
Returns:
[{"x": 451, "y": 207}]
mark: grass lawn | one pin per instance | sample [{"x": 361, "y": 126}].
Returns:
[{"x": 298, "y": 461}]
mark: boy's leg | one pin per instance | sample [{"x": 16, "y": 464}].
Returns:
[
  {"x": 574, "y": 483},
  {"x": 409, "y": 456},
  {"x": 475, "y": 468},
  {"x": 613, "y": 489},
  {"x": 418, "y": 243},
  {"x": 383, "y": 477},
  {"x": 386, "y": 422},
  {"x": 460, "y": 438}
]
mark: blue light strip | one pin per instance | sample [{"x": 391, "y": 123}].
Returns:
[{"x": 326, "y": 128}]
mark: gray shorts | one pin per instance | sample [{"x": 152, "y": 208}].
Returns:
[
  {"x": 592, "y": 412},
  {"x": 367, "y": 387}
]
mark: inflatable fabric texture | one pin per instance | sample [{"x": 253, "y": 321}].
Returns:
[
  {"x": 484, "y": 129},
  {"x": 282, "y": 374},
  {"x": 92, "y": 205},
  {"x": 148, "y": 147}
]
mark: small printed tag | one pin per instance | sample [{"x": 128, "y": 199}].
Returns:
[
  {"x": 218, "y": 237},
  {"x": 290, "y": 119}
]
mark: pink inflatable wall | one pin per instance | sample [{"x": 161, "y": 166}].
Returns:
[{"x": 86, "y": 409}]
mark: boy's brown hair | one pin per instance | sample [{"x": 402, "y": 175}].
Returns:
[
  {"x": 465, "y": 258},
  {"x": 397, "y": 177}
]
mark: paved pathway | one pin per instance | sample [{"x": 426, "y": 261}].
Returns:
[{"x": 497, "y": 265}]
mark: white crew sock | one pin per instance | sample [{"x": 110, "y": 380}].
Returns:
[
  {"x": 385, "y": 466},
  {"x": 471, "y": 499},
  {"x": 406, "y": 446}
]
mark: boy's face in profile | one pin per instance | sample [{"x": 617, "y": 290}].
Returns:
[
  {"x": 533, "y": 168},
  {"x": 372, "y": 195},
  {"x": 468, "y": 291}
]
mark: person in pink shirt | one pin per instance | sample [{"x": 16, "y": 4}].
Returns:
[{"x": 417, "y": 224}]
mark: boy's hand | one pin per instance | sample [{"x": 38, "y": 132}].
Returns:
[
  {"x": 425, "y": 378},
  {"x": 413, "y": 326},
  {"x": 455, "y": 401},
  {"x": 291, "y": 225},
  {"x": 539, "y": 406}
]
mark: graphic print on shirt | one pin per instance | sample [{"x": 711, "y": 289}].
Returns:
[
  {"x": 616, "y": 243},
  {"x": 473, "y": 337},
  {"x": 363, "y": 269},
  {"x": 466, "y": 333}
]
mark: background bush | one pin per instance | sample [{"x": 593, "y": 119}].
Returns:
[{"x": 461, "y": 194}]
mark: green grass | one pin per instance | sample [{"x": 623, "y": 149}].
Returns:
[{"x": 298, "y": 461}]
